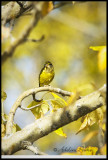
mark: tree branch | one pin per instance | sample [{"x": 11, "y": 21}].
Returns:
[
  {"x": 27, "y": 109},
  {"x": 26, "y": 94},
  {"x": 28, "y": 145},
  {"x": 37, "y": 15},
  {"x": 14, "y": 9},
  {"x": 54, "y": 120},
  {"x": 34, "y": 40}
]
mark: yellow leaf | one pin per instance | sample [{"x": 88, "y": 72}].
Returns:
[
  {"x": 104, "y": 127},
  {"x": 39, "y": 111},
  {"x": 87, "y": 151},
  {"x": 15, "y": 127},
  {"x": 101, "y": 56},
  {"x": 102, "y": 59},
  {"x": 100, "y": 115},
  {"x": 83, "y": 125},
  {"x": 58, "y": 102},
  {"x": 3, "y": 95},
  {"x": 72, "y": 98},
  {"x": 60, "y": 132},
  {"x": 18, "y": 128},
  {"x": 103, "y": 150},
  {"x": 47, "y": 7},
  {"x": 96, "y": 48},
  {"x": 4, "y": 118},
  {"x": 91, "y": 118},
  {"x": 57, "y": 97},
  {"x": 45, "y": 107},
  {"x": 89, "y": 136},
  {"x": 3, "y": 130}
]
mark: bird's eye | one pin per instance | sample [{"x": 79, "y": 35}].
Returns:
[{"x": 50, "y": 65}]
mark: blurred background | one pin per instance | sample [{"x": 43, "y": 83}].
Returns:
[{"x": 69, "y": 32}]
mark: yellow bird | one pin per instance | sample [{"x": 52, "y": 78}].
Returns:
[{"x": 46, "y": 74}]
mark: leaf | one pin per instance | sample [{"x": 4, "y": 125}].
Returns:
[
  {"x": 100, "y": 115},
  {"x": 3, "y": 95},
  {"x": 102, "y": 59},
  {"x": 83, "y": 125},
  {"x": 15, "y": 127},
  {"x": 103, "y": 150},
  {"x": 103, "y": 127},
  {"x": 3, "y": 130},
  {"x": 57, "y": 97},
  {"x": 101, "y": 56},
  {"x": 4, "y": 118},
  {"x": 45, "y": 107},
  {"x": 87, "y": 151},
  {"x": 60, "y": 132},
  {"x": 92, "y": 118},
  {"x": 47, "y": 7},
  {"x": 89, "y": 136},
  {"x": 39, "y": 111},
  {"x": 96, "y": 48},
  {"x": 72, "y": 98},
  {"x": 58, "y": 102},
  {"x": 18, "y": 128}
]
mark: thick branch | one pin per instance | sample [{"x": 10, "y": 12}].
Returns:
[{"x": 55, "y": 120}]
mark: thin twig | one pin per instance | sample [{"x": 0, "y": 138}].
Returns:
[
  {"x": 35, "y": 40},
  {"x": 27, "y": 109}
]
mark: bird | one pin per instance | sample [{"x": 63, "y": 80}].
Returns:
[{"x": 46, "y": 74}]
